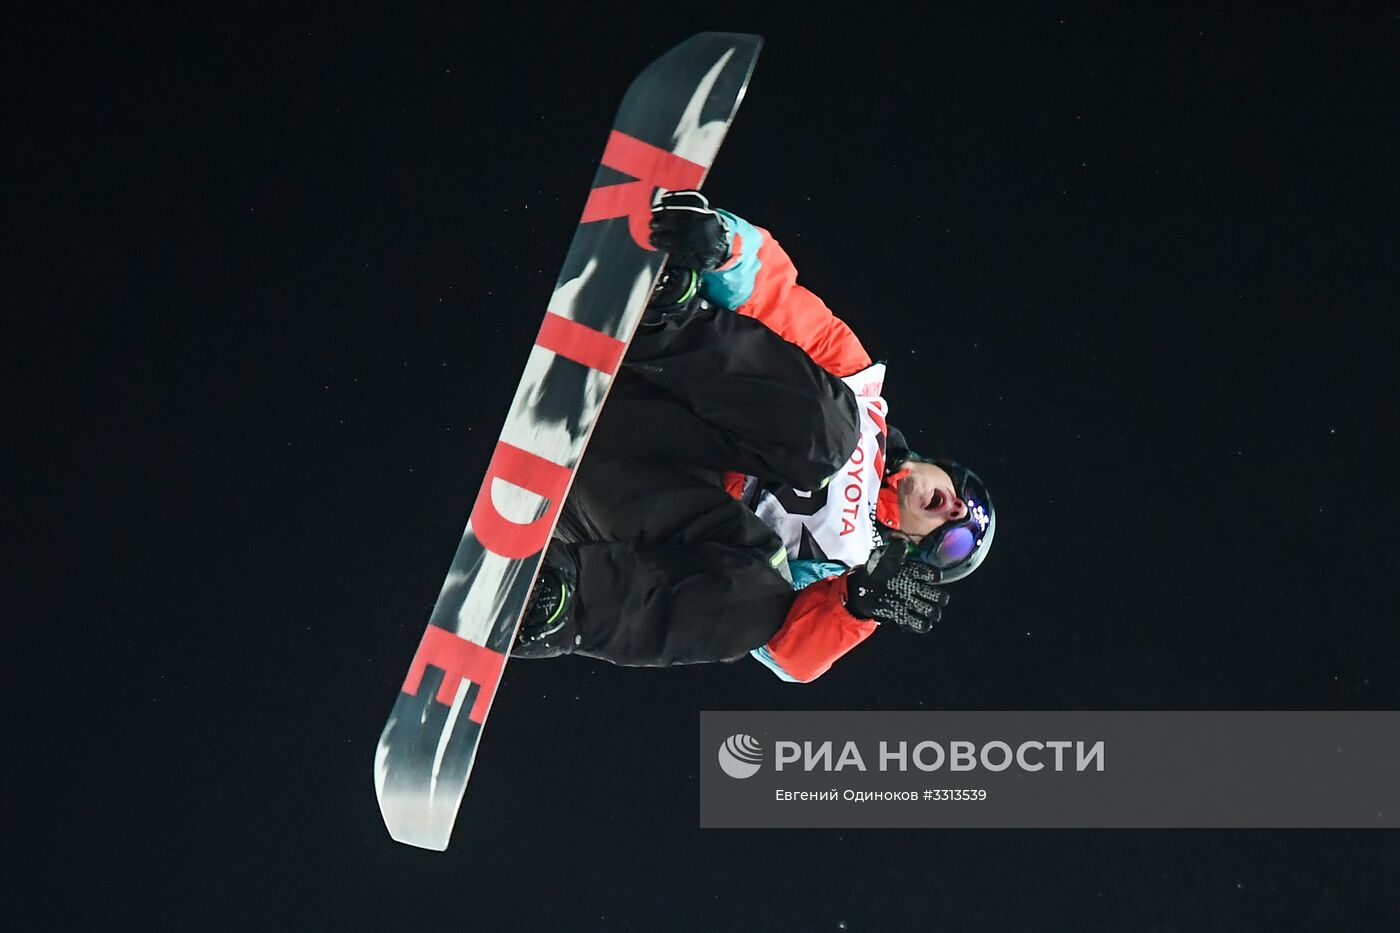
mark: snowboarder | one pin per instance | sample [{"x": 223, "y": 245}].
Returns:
[{"x": 743, "y": 492}]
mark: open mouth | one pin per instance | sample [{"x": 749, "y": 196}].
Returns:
[{"x": 936, "y": 501}]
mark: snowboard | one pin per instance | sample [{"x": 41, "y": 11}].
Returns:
[{"x": 667, "y": 131}]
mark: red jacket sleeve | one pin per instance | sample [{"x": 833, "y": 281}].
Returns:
[
  {"x": 818, "y": 631},
  {"x": 799, "y": 316},
  {"x": 760, "y": 280}
]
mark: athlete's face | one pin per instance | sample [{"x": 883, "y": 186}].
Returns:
[{"x": 927, "y": 500}]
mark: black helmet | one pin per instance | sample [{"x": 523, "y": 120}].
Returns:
[{"x": 954, "y": 549}]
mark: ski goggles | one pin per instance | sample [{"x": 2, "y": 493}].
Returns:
[
  {"x": 955, "y": 544},
  {"x": 949, "y": 545}
]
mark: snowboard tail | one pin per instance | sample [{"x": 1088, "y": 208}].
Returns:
[{"x": 667, "y": 132}]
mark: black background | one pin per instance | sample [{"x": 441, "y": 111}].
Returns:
[{"x": 277, "y": 273}]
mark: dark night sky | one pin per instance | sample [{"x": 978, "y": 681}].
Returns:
[{"x": 285, "y": 268}]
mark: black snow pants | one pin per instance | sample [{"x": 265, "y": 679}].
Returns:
[{"x": 668, "y": 567}]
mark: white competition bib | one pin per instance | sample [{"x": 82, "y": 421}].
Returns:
[{"x": 837, "y": 522}]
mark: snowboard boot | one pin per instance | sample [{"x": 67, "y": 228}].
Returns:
[
  {"x": 547, "y": 630},
  {"x": 677, "y": 291}
]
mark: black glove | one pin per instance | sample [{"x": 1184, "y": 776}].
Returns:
[
  {"x": 891, "y": 588},
  {"x": 684, "y": 225}
]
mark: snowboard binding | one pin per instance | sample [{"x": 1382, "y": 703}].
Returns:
[
  {"x": 676, "y": 292},
  {"x": 547, "y": 629}
]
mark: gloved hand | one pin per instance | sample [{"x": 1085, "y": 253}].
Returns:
[
  {"x": 684, "y": 225},
  {"x": 892, "y": 588}
]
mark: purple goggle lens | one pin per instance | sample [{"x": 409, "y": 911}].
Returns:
[{"x": 948, "y": 546}]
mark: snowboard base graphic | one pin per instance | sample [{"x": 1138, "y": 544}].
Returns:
[{"x": 667, "y": 132}]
